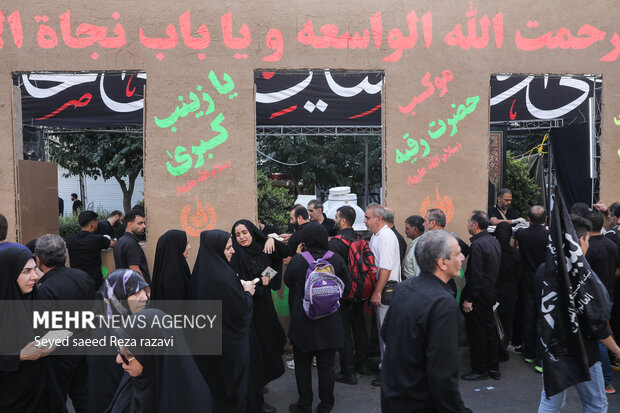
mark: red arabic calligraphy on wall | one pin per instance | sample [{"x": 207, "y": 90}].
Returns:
[{"x": 478, "y": 32}]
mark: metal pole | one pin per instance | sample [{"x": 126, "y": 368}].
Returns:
[
  {"x": 365, "y": 171},
  {"x": 549, "y": 189}
]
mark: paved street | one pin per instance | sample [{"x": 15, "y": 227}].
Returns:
[{"x": 518, "y": 391}]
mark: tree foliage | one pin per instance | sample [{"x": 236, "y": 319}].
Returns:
[
  {"x": 328, "y": 161},
  {"x": 525, "y": 192},
  {"x": 101, "y": 154},
  {"x": 273, "y": 202}
]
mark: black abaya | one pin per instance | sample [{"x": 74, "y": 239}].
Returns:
[
  {"x": 25, "y": 386},
  {"x": 213, "y": 278},
  {"x": 171, "y": 273},
  {"x": 168, "y": 383},
  {"x": 104, "y": 374},
  {"x": 510, "y": 273},
  {"x": 249, "y": 262}
]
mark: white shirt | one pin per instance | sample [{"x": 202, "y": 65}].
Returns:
[
  {"x": 410, "y": 265},
  {"x": 384, "y": 245}
]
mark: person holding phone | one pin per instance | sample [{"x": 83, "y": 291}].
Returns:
[
  {"x": 258, "y": 256},
  {"x": 213, "y": 278}
]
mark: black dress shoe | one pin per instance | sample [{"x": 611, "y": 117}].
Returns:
[
  {"x": 321, "y": 408},
  {"x": 295, "y": 408},
  {"x": 267, "y": 408},
  {"x": 376, "y": 382},
  {"x": 494, "y": 374},
  {"x": 473, "y": 376},
  {"x": 346, "y": 378}
]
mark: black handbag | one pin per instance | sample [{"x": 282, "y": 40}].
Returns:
[{"x": 388, "y": 291}]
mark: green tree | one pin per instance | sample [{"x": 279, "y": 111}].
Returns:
[
  {"x": 273, "y": 202},
  {"x": 101, "y": 154},
  {"x": 525, "y": 192},
  {"x": 325, "y": 161}
]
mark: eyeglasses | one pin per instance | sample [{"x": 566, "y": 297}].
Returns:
[{"x": 126, "y": 359}]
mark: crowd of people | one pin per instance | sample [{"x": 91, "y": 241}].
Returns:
[{"x": 416, "y": 294}]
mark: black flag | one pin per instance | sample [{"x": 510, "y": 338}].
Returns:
[{"x": 574, "y": 304}]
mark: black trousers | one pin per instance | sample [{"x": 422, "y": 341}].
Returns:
[
  {"x": 325, "y": 360},
  {"x": 528, "y": 325},
  {"x": 353, "y": 321},
  {"x": 481, "y": 332},
  {"x": 507, "y": 298},
  {"x": 71, "y": 373}
]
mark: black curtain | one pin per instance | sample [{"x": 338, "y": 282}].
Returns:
[{"x": 570, "y": 148}]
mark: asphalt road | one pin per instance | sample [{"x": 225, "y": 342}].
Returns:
[{"x": 517, "y": 391}]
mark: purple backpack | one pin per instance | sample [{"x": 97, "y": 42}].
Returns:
[{"x": 323, "y": 289}]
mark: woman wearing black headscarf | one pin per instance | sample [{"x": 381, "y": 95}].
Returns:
[
  {"x": 510, "y": 272},
  {"x": 213, "y": 278},
  {"x": 250, "y": 260},
  {"x": 171, "y": 273},
  {"x": 26, "y": 382},
  {"x": 123, "y": 292},
  {"x": 319, "y": 337},
  {"x": 156, "y": 380}
]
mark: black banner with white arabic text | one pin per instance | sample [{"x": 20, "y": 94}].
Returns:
[
  {"x": 318, "y": 98},
  {"x": 574, "y": 305},
  {"x": 82, "y": 100},
  {"x": 517, "y": 97}
]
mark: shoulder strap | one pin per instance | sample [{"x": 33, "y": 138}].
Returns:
[
  {"x": 308, "y": 257},
  {"x": 343, "y": 239},
  {"x": 328, "y": 255}
]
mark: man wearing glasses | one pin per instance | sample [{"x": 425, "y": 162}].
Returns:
[{"x": 502, "y": 212}]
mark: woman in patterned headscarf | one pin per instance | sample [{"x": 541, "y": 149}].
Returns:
[{"x": 123, "y": 292}]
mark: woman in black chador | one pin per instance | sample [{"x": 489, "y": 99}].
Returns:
[
  {"x": 26, "y": 381},
  {"x": 508, "y": 279},
  {"x": 123, "y": 292},
  {"x": 213, "y": 278},
  {"x": 158, "y": 379},
  {"x": 250, "y": 260},
  {"x": 171, "y": 273}
]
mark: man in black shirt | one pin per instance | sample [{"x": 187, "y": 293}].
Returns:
[
  {"x": 85, "y": 247},
  {"x": 604, "y": 259},
  {"x": 299, "y": 221},
  {"x": 315, "y": 210},
  {"x": 420, "y": 364},
  {"x": 61, "y": 283},
  {"x": 502, "y": 212},
  {"x": 402, "y": 244},
  {"x": 352, "y": 311},
  {"x": 128, "y": 253},
  {"x": 478, "y": 298},
  {"x": 77, "y": 204},
  {"x": 111, "y": 226},
  {"x": 532, "y": 243}
]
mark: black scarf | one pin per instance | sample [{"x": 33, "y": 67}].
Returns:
[
  {"x": 18, "y": 311},
  {"x": 250, "y": 261},
  {"x": 510, "y": 259},
  {"x": 171, "y": 273},
  {"x": 213, "y": 278},
  {"x": 315, "y": 238}
]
